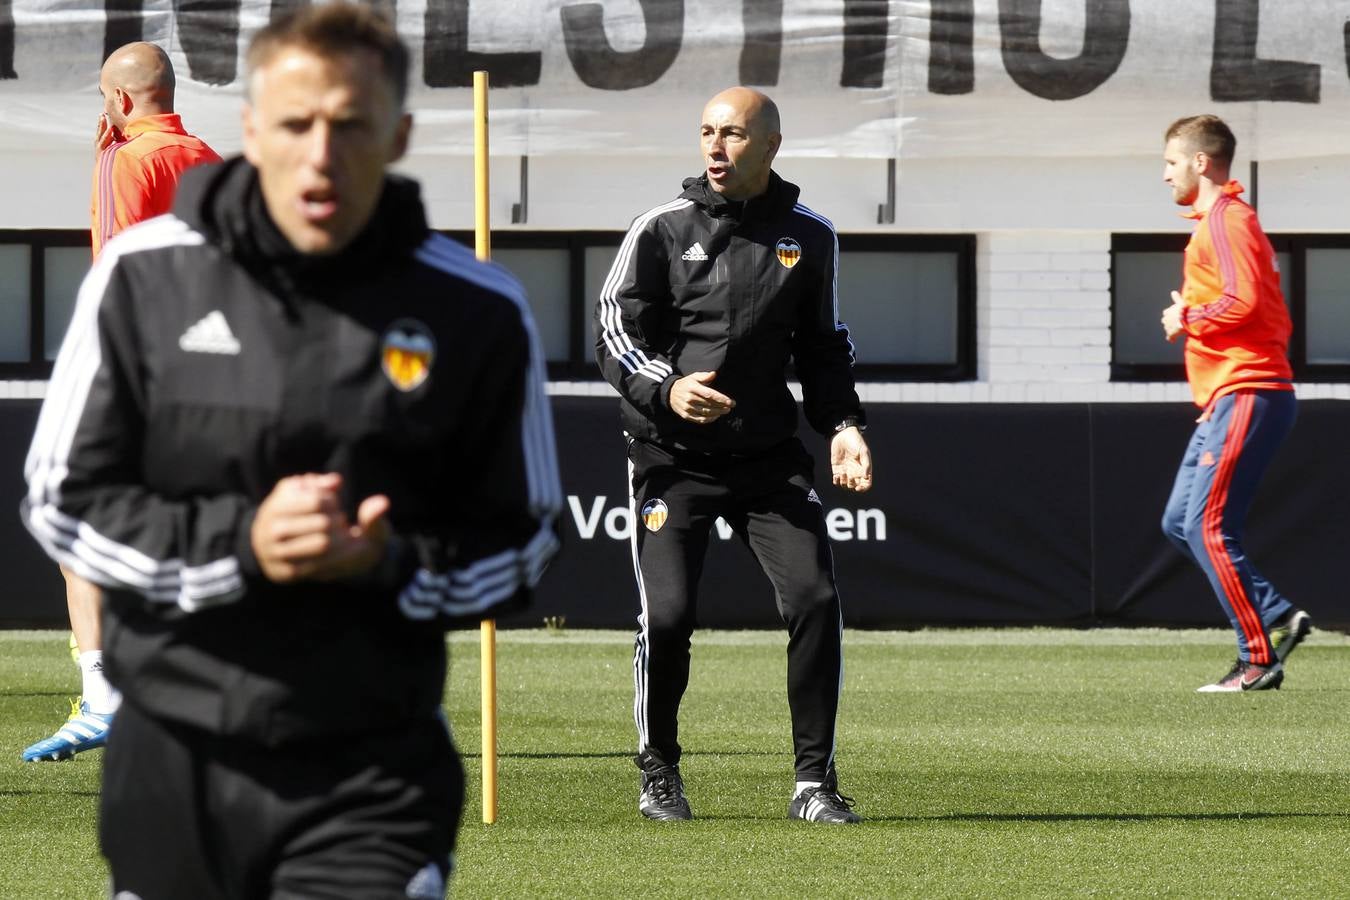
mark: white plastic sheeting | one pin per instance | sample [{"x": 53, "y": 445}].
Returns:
[{"x": 912, "y": 79}]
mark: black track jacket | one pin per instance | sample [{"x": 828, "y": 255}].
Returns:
[
  {"x": 701, "y": 284},
  {"x": 205, "y": 361}
]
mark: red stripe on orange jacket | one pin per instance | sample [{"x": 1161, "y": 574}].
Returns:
[
  {"x": 136, "y": 179},
  {"x": 1237, "y": 326}
]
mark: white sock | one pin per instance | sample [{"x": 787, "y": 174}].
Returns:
[
  {"x": 101, "y": 696},
  {"x": 803, "y": 785}
]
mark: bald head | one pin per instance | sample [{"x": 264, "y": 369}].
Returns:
[
  {"x": 740, "y": 137},
  {"x": 137, "y": 80},
  {"x": 759, "y": 111}
]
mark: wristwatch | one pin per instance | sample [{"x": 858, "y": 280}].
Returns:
[{"x": 851, "y": 422}]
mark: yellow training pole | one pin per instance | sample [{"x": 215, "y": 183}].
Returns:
[{"x": 488, "y": 630}]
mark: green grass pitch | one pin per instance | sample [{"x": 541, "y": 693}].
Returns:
[{"x": 989, "y": 763}]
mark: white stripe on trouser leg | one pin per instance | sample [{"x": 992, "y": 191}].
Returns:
[
  {"x": 839, "y": 691},
  {"x": 839, "y": 694},
  {"x": 641, "y": 649}
]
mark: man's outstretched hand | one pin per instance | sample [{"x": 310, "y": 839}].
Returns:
[{"x": 850, "y": 460}]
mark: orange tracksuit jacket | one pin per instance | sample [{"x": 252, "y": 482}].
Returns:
[
  {"x": 135, "y": 178},
  {"x": 1237, "y": 326}
]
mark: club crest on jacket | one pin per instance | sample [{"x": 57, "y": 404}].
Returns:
[
  {"x": 407, "y": 351},
  {"x": 654, "y": 514},
  {"x": 789, "y": 251}
]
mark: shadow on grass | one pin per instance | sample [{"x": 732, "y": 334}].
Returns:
[
  {"x": 66, "y": 694},
  {"x": 1049, "y": 817},
  {"x": 614, "y": 754},
  {"x": 67, "y": 793},
  {"x": 603, "y": 755},
  {"x": 1109, "y": 817}
]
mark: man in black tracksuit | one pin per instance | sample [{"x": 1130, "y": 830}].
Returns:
[
  {"x": 293, "y": 435},
  {"x": 711, "y": 298}
]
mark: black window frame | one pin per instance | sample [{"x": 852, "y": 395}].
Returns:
[
  {"x": 963, "y": 245},
  {"x": 1294, "y": 244},
  {"x": 38, "y": 240},
  {"x": 579, "y": 365}
]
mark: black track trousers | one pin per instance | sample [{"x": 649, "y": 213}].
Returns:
[
  {"x": 769, "y": 502},
  {"x": 191, "y": 814}
]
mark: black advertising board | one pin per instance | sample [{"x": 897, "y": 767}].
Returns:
[{"x": 982, "y": 514}]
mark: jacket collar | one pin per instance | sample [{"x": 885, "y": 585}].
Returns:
[
  {"x": 225, "y": 203},
  {"x": 170, "y": 123},
  {"x": 1231, "y": 189},
  {"x": 778, "y": 198}
]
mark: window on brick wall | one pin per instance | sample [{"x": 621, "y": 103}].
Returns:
[
  {"x": 909, "y": 300},
  {"x": 559, "y": 271},
  {"x": 40, "y": 272},
  {"x": 1314, "y": 276}
]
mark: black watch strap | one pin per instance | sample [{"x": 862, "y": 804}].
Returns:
[{"x": 850, "y": 422}]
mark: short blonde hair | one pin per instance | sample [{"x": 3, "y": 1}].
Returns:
[
  {"x": 1206, "y": 134},
  {"x": 335, "y": 29}
]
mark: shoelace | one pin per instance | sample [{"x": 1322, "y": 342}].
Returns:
[
  {"x": 834, "y": 798},
  {"x": 664, "y": 786}
]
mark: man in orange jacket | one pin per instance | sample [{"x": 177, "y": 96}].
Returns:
[
  {"x": 141, "y": 145},
  {"x": 1231, "y": 312},
  {"x": 141, "y": 149}
]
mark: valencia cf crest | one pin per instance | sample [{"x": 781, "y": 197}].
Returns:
[
  {"x": 654, "y": 514},
  {"x": 789, "y": 251},
  {"x": 406, "y": 353}
]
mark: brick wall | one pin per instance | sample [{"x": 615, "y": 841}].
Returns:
[{"x": 1043, "y": 328}]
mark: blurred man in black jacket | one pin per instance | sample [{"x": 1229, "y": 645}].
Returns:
[{"x": 293, "y": 434}]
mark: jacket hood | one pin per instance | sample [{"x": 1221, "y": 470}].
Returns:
[
  {"x": 224, "y": 202},
  {"x": 779, "y": 197}
]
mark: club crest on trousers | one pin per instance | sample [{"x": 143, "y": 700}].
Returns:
[
  {"x": 789, "y": 251},
  {"x": 407, "y": 351},
  {"x": 654, "y": 514}
]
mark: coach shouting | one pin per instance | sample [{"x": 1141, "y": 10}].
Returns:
[
  {"x": 711, "y": 298},
  {"x": 293, "y": 434}
]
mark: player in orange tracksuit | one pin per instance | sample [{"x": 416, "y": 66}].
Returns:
[
  {"x": 141, "y": 149},
  {"x": 1236, "y": 327}
]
